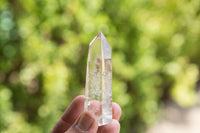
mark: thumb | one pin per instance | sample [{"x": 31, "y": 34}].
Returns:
[{"x": 86, "y": 123}]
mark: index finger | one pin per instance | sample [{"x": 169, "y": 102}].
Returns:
[{"x": 70, "y": 115}]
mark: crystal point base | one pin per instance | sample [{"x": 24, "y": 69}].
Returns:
[{"x": 98, "y": 88}]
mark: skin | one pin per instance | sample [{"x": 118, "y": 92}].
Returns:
[{"x": 69, "y": 120}]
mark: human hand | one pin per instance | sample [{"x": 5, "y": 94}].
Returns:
[{"x": 74, "y": 120}]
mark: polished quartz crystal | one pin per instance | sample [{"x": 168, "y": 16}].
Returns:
[{"x": 98, "y": 88}]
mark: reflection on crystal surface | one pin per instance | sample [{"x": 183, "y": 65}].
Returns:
[{"x": 98, "y": 88}]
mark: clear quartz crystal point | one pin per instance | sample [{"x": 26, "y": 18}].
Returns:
[{"x": 98, "y": 88}]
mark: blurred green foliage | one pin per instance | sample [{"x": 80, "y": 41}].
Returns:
[{"x": 43, "y": 52}]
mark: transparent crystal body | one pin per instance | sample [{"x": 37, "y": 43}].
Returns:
[{"x": 98, "y": 88}]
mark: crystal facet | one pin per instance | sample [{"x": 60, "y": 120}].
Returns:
[{"x": 98, "y": 88}]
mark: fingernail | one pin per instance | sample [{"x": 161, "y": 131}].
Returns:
[{"x": 85, "y": 122}]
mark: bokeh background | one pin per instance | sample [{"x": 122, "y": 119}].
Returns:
[{"x": 43, "y": 52}]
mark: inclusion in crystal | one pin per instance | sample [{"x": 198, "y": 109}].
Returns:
[{"x": 98, "y": 88}]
